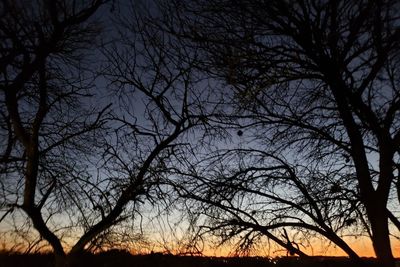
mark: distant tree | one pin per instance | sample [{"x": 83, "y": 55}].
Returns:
[
  {"x": 76, "y": 167},
  {"x": 316, "y": 82}
]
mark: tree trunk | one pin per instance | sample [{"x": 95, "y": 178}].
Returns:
[{"x": 378, "y": 219}]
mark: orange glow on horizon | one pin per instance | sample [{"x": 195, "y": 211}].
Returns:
[{"x": 361, "y": 245}]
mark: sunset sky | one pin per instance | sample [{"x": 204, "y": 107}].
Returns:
[{"x": 173, "y": 126}]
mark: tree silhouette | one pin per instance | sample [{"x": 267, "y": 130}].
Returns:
[
  {"x": 307, "y": 89},
  {"x": 75, "y": 168},
  {"x": 267, "y": 195},
  {"x": 42, "y": 84},
  {"x": 311, "y": 80}
]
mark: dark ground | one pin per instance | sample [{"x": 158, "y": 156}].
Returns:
[{"x": 124, "y": 259}]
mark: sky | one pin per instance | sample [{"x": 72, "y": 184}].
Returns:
[{"x": 361, "y": 244}]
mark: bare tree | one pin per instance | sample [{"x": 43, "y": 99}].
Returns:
[
  {"x": 315, "y": 79},
  {"x": 251, "y": 193},
  {"x": 75, "y": 167},
  {"x": 42, "y": 87}
]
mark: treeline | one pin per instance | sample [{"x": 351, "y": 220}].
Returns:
[{"x": 125, "y": 259}]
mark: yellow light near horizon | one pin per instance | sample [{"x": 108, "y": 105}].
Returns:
[{"x": 361, "y": 245}]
